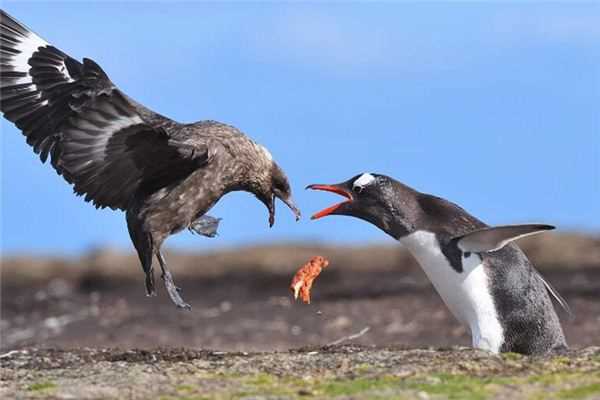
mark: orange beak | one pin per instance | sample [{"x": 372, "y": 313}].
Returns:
[{"x": 333, "y": 189}]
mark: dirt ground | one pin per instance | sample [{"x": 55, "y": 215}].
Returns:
[
  {"x": 340, "y": 372},
  {"x": 57, "y": 315}
]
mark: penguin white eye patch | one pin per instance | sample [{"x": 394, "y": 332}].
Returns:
[{"x": 363, "y": 180}]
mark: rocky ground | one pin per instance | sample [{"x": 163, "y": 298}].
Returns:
[
  {"x": 83, "y": 328},
  {"x": 340, "y": 372}
]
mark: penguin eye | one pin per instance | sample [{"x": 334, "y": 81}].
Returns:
[{"x": 362, "y": 181}]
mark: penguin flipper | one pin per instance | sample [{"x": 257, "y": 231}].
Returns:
[{"x": 495, "y": 238}]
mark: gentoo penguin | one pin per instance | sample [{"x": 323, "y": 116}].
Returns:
[
  {"x": 119, "y": 154},
  {"x": 486, "y": 281}
]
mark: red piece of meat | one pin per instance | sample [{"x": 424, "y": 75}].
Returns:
[{"x": 306, "y": 275}]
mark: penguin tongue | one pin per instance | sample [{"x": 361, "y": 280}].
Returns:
[{"x": 334, "y": 189}]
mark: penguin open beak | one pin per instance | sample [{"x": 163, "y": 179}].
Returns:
[{"x": 336, "y": 208}]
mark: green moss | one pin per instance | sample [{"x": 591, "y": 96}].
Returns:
[
  {"x": 443, "y": 385},
  {"x": 262, "y": 380},
  {"x": 185, "y": 389},
  {"x": 458, "y": 386},
  {"x": 356, "y": 386},
  {"x": 580, "y": 392},
  {"x": 266, "y": 384},
  {"x": 557, "y": 378},
  {"x": 362, "y": 368},
  {"x": 579, "y": 385},
  {"x": 186, "y": 392},
  {"x": 512, "y": 356},
  {"x": 561, "y": 361},
  {"x": 41, "y": 386},
  {"x": 552, "y": 385}
]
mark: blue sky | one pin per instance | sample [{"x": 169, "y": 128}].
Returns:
[{"x": 494, "y": 106}]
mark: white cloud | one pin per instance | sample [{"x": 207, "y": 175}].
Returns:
[
  {"x": 318, "y": 39},
  {"x": 433, "y": 39}
]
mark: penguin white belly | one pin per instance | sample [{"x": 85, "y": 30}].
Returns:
[{"x": 466, "y": 294}]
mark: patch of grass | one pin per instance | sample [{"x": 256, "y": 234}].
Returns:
[
  {"x": 371, "y": 384},
  {"x": 42, "y": 386},
  {"x": 363, "y": 368},
  {"x": 225, "y": 386},
  {"x": 266, "y": 384},
  {"x": 262, "y": 380},
  {"x": 580, "y": 392},
  {"x": 185, "y": 389},
  {"x": 557, "y": 378},
  {"x": 561, "y": 361},
  {"x": 579, "y": 385},
  {"x": 512, "y": 356},
  {"x": 444, "y": 385},
  {"x": 356, "y": 386},
  {"x": 458, "y": 386},
  {"x": 292, "y": 387}
]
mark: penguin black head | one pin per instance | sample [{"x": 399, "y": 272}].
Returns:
[{"x": 375, "y": 198}]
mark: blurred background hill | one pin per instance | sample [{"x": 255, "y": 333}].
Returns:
[{"x": 241, "y": 298}]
